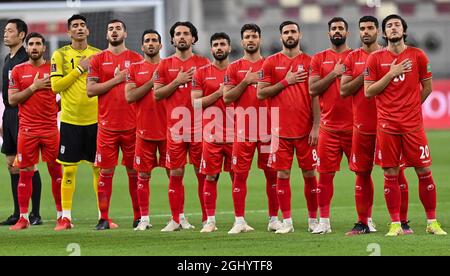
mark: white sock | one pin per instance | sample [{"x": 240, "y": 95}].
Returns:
[
  {"x": 59, "y": 214},
  {"x": 67, "y": 214},
  {"x": 369, "y": 219},
  {"x": 325, "y": 220},
  {"x": 273, "y": 219},
  {"x": 145, "y": 218},
  {"x": 182, "y": 217},
  {"x": 211, "y": 219},
  {"x": 240, "y": 220},
  {"x": 429, "y": 221},
  {"x": 312, "y": 220},
  {"x": 396, "y": 222},
  {"x": 25, "y": 216},
  {"x": 287, "y": 221}
]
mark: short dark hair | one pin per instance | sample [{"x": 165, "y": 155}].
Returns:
[
  {"x": 21, "y": 26},
  {"x": 31, "y": 35},
  {"x": 150, "y": 31},
  {"x": 250, "y": 27},
  {"x": 117, "y": 21},
  {"x": 188, "y": 24},
  {"x": 288, "y": 22},
  {"x": 394, "y": 16},
  {"x": 75, "y": 17},
  {"x": 369, "y": 18},
  {"x": 218, "y": 36},
  {"x": 337, "y": 19}
]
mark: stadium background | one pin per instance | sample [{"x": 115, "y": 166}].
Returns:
[{"x": 429, "y": 28}]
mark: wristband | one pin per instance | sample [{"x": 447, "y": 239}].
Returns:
[
  {"x": 81, "y": 70},
  {"x": 285, "y": 83}
]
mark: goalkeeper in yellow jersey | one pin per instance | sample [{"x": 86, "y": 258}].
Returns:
[{"x": 78, "y": 112}]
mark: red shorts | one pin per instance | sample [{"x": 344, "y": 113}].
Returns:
[
  {"x": 146, "y": 157},
  {"x": 332, "y": 145},
  {"x": 214, "y": 157},
  {"x": 243, "y": 156},
  {"x": 395, "y": 149},
  {"x": 108, "y": 143},
  {"x": 177, "y": 152},
  {"x": 28, "y": 149},
  {"x": 363, "y": 151},
  {"x": 282, "y": 155}
]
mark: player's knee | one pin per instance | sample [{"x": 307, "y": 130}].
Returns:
[
  {"x": 70, "y": 171},
  {"x": 285, "y": 174},
  {"x": 308, "y": 173},
  {"x": 12, "y": 169},
  {"x": 420, "y": 171},
  {"x": 391, "y": 171},
  {"x": 212, "y": 178},
  {"x": 144, "y": 175},
  {"x": 177, "y": 172},
  {"x": 27, "y": 169},
  {"x": 107, "y": 171}
]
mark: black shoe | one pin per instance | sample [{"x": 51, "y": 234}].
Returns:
[
  {"x": 35, "y": 220},
  {"x": 406, "y": 228},
  {"x": 11, "y": 220},
  {"x": 136, "y": 223},
  {"x": 358, "y": 229},
  {"x": 103, "y": 224}
]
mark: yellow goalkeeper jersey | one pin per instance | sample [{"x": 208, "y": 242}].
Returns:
[{"x": 69, "y": 80}]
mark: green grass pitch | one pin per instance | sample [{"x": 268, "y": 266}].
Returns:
[{"x": 42, "y": 240}]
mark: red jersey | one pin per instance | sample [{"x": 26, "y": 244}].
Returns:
[
  {"x": 114, "y": 113},
  {"x": 235, "y": 74},
  {"x": 166, "y": 72},
  {"x": 399, "y": 105},
  {"x": 364, "y": 109},
  {"x": 336, "y": 112},
  {"x": 294, "y": 101},
  {"x": 150, "y": 114},
  {"x": 38, "y": 114},
  {"x": 208, "y": 79}
]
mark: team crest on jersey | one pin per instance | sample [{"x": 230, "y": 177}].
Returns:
[
  {"x": 193, "y": 83},
  {"x": 366, "y": 72},
  {"x": 226, "y": 79},
  {"x": 127, "y": 63},
  {"x": 53, "y": 68},
  {"x": 429, "y": 68},
  {"x": 11, "y": 82},
  {"x": 138, "y": 160},
  {"x": 260, "y": 74},
  {"x": 300, "y": 68}
]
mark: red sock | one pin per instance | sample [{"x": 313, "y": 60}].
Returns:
[
  {"x": 143, "y": 194},
  {"x": 176, "y": 191},
  {"x": 132, "y": 187},
  {"x": 310, "y": 192},
  {"x": 201, "y": 183},
  {"x": 55, "y": 171},
  {"x": 24, "y": 190},
  {"x": 404, "y": 194},
  {"x": 239, "y": 193},
  {"x": 427, "y": 194},
  {"x": 271, "y": 191},
  {"x": 210, "y": 197},
  {"x": 284, "y": 196},
  {"x": 104, "y": 193},
  {"x": 363, "y": 196},
  {"x": 325, "y": 191},
  {"x": 392, "y": 196}
]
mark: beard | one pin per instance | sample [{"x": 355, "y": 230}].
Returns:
[
  {"x": 221, "y": 57},
  {"x": 291, "y": 43},
  {"x": 151, "y": 54},
  {"x": 395, "y": 39},
  {"x": 338, "y": 41},
  {"x": 116, "y": 43},
  {"x": 34, "y": 57},
  {"x": 369, "y": 42},
  {"x": 184, "y": 46},
  {"x": 251, "y": 51}
]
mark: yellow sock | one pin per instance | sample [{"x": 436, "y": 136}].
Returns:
[
  {"x": 96, "y": 174},
  {"x": 68, "y": 186}
]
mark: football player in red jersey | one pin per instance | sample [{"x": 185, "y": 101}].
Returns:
[
  {"x": 151, "y": 121},
  {"x": 207, "y": 94},
  {"x": 336, "y": 124},
  {"x": 30, "y": 88},
  {"x": 285, "y": 83},
  {"x": 173, "y": 83},
  {"x": 241, "y": 82},
  {"x": 117, "y": 118},
  {"x": 400, "y": 79}
]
